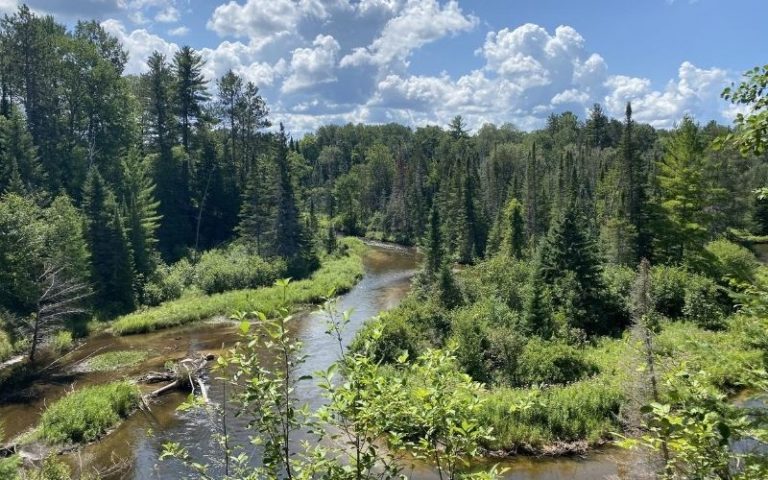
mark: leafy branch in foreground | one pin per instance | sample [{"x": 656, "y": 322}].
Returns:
[{"x": 708, "y": 436}]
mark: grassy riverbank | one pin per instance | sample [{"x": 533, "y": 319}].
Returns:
[{"x": 337, "y": 274}]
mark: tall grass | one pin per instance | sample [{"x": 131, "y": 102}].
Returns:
[
  {"x": 87, "y": 414},
  {"x": 6, "y": 347},
  {"x": 534, "y": 420},
  {"x": 337, "y": 274}
]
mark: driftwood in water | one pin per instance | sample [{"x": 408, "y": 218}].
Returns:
[{"x": 185, "y": 374}]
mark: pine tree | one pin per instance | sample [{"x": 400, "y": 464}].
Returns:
[
  {"x": 257, "y": 210},
  {"x": 141, "y": 213},
  {"x": 19, "y": 163},
  {"x": 434, "y": 255},
  {"x": 111, "y": 267},
  {"x": 513, "y": 233},
  {"x": 687, "y": 195},
  {"x": 633, "y": 188},
  {"x": 294, "y": 243},
  {"x": 190, "y": 91},
  {"x": 568, "y": 263}
]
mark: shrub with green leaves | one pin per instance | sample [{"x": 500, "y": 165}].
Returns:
[
  {"x": 61, "y": 342},
  {"x": 551, "y": 363},
  {"x": 6, "y": 347},
  {"x": 86, "y": 414},
  {"x": 731, "y": 262},
  {"x": 235, "y": 268}
]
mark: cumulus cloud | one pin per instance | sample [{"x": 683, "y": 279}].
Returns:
[
  {"x": 169, "y": 14},
  {"x": 695, "y": 91},
  {"x": 8, "y": 6},
  {"x": 266, "y": 20},
  {"x": 311, "y": 66},
  {"x": 314, "y": 69},
  {"x": 418, "y": 23},
  {"x": 178, "y": 31},
  {"x": 139, "y": 44}
]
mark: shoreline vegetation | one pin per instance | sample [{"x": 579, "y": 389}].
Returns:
[{"x": 337, "y": 275}]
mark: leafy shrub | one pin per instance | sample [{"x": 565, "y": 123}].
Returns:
[
  {"x": 86, "y": 414},
  {"x": 619, "y": 281},
  {"x": 682, "y": 294},
  {"x": 550, "y": 363},
  {"x": 6, "y": 347},
  {"x": 534, "y": 420},
  {"x": 168, "y": 283},
  {"x": 732, "y": 262},
  {"x": 338, "y": 274},
  {"x": 479, "y": 352},
  {"x": 61, "y": 342},
  {"x": 235, "y": 268},
  {"x": 217, "y": 271},
  {"x": 502, "y": 277}
]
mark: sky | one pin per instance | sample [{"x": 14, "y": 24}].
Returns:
[{"x": 421, "y": 62}]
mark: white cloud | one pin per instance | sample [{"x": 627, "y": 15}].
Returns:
[
  {"x": 695, "y": 91},
  {"x": 139, "y": 44},
  {"x": 178, "y": 31},
  {"x": 311, "y": 66},
  {"x": 418, "y": 23},
  {"x": 265, "y": 19},
  {"x": 169, "y": 14}
]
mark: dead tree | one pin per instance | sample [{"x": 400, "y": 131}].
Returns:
[
  {"x": 643, "y": 314},
  {"x": 60, "y": 297}
]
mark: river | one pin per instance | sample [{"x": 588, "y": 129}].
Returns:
[{"x": 135, "y": 444}]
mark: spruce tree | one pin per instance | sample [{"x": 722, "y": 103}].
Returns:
[
  {"x": 434, "y": 255},
  {"x": 294, "y": 243},
  {"x": 190, "y": 91},
  {"x": 19, "y": 164},
  {"x": 570, "y": 266},
  {"x": 111, "y": 266},
  {"x": 141, "y": 213},
  {"x": 513, "y": 233}
]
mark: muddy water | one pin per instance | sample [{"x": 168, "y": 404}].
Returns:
[{"x": 134, "y": 447}]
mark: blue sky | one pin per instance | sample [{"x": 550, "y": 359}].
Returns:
[{"x": 424, "y": 61}]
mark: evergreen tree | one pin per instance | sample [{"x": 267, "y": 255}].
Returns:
[
  {"x": 294, "y": 243},
  {"x": 597, "y": 127},
  {"x": 190, "y": 91},
  {"x": 434, "y": 255},
  {"x": 141, "y": 214},
  {"x": 513, "y": 232},
  {"x": 687, "y": 195},
  {"x": 257, "y": 210},
  {"x": 111, "y": 267},
  {"x": 569, "y": 265},
  {"x": 18, "y": 156}
]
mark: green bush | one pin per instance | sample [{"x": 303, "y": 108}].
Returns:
[
  {"x": 502, "y": 277},
  {"x": 235, "y": 268},
  {"x": 732, "y": 262},
  {"x": 679, "y": 293},
  {"x": 86, "y": 414},
  {"x": 533, "y": 420},
  {"x": 169, "y": 283},
  {"x": 338, "y": 274},
  {"x": 480, "y": 351},
  {"x": 550, "y": 363},
  {"x": 61, "y": 342},
  {"x": 6, "y": 347}
]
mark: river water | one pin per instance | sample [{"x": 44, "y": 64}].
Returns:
[{"x": 135, "y": 445}]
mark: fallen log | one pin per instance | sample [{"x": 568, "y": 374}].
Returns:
[{"x": 185, "y": 374}]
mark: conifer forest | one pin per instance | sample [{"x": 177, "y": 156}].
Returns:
[{"x": 190, "y": 287}]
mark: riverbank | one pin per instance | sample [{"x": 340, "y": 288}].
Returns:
[{"x": 337, "y": 275}]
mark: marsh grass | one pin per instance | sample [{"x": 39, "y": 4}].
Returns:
[
  {"x": 115, "y": 360},
  {"x": 337, "y": 274},
  {"x": 86, "y": 414}
]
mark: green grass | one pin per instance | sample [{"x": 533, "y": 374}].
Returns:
[
  {"x": 337, "y": 274},
  {"x": 115, "y": 360},
  {"x": 6, "y": 348},
  {"x": 88, "y": 413}
]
